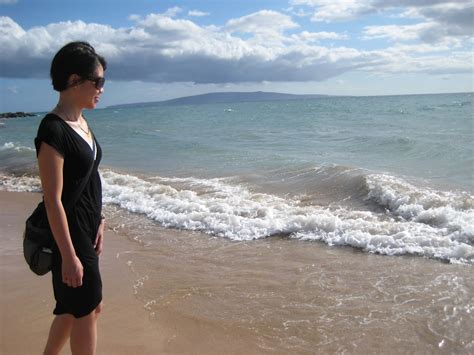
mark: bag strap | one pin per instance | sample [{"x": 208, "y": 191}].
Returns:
[{"x": 79, "y": 191}]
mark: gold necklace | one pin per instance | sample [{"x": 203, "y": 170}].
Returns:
[{"x": 88, "y": 131}]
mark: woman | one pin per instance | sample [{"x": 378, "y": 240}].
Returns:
[{"x": 68, "y": 159}]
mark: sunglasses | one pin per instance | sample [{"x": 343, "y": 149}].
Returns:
[{"x": 99, "y": 82}]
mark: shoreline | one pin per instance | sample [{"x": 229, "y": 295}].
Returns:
[
  {"x": 169, "y": 291},
  {"x": 125, "y": 325}
]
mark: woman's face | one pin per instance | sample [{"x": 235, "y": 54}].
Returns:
[{"x": 87, "y": 92}]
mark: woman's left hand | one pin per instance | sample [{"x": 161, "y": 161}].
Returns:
[{"x": 98, "y": 243}]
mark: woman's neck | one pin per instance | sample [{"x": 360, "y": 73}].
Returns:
[{"x": 68, "y": 110}]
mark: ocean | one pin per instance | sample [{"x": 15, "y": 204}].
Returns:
[{"x": 271, "y": 200}]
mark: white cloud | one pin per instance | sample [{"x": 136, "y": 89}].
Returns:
[
  {"x": 412, "y": 49},
  {"x": 134, "y": 17},
  {"x": 401, "y": 61},
  {"x": 330, "y": 10},
  {"x": 197, "y": 13},
  {"x": 397, "y": 33},
  {"x": 8, "y": 27},
  {"x": 163, "y": 49},
  {"x": 172, "y": 12},
  {"x": 167, "y": 28},
  {"x": 263, "y": 46},
  {"x": 450, "y": 18},
  {"x": 264, "y": 30},
  {"x": 264, "y": 21},
  {"x": 306, "y": 36},
  {"x": 298, "y": 13}
]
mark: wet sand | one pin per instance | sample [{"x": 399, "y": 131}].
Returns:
[
  {"x": 125, "y": 326},
  {"x": 293, "y": 297}
]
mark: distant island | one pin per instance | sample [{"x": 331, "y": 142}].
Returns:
[{"x": 221, "y": 97}]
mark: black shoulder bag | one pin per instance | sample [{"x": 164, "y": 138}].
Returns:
[{"x": 38, "y": 240}]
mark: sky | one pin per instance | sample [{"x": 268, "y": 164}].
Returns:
[{"x": 159, "y": 49}]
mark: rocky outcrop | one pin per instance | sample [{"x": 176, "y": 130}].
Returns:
[{"x": 15, "y": 114}]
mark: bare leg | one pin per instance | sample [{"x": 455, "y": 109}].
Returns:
[
  {"x": 59, "y": 333},
  {"x": 84, "y": 333}
]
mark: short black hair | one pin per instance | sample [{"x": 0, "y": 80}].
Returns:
[{"x": 74, "y": 58}]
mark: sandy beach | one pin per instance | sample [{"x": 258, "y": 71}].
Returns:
[
  {"x": 124, "y": 327},
  {"x": 27, "y": 300}
]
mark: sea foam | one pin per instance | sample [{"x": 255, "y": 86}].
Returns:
[
  {"x": 415, "y": 221},
  {"x": 12, "y": 146},
  {"x": 419, "y": 222},
  {"x": 20, "y": 183}
]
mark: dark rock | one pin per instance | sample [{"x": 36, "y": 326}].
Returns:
[{"x": 16, "y": 114}]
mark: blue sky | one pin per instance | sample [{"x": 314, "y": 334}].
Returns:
[{"x": 159, "y": 50}]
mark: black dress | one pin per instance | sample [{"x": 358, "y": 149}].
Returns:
[{"x": 83, "y": 218}]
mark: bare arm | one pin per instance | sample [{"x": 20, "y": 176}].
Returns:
[
  {"x": 99, "y": 239},
  {"x": 51, "y": 173}
]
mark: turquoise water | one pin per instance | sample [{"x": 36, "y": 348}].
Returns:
[
  {"x": 428, "y": 136},
  {"x": 425, "y": 136},
  {"x": 343, "y": 170}
]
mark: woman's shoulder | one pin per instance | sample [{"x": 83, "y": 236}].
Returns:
[
  {"x": 51, "y": 117},
  {"x": 52, "y": 131},
  {"x": 51, "y": 122},
  {"x": 51, "y": 127}
]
